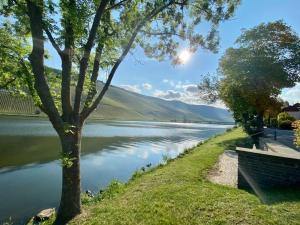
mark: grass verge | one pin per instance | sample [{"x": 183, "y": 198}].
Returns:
[{"x": 179, "y": 193}]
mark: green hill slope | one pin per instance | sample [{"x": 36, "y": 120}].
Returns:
[{"x": 124, "y": 105}]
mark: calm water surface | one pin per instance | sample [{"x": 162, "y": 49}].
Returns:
[{"x": 30, "y": 172}]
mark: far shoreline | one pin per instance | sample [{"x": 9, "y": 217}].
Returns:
[{"x": 91, "y": 120}]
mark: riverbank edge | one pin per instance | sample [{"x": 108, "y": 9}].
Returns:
[{"x": 130, "y": 203}]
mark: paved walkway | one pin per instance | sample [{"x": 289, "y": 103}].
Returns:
[
  {"x": 225, "y": 171},
  {"x": 285, "y": 137}
]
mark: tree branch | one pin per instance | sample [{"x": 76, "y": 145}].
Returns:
[
  {"x": 161, "y": 33},
  {"x": 93, "y": 91},
  {"x": 115, "y": 5},
  {"x": 30, "y": 85},
  {"x": 52, "y": 41},
  {"x": 86, "y": 112},
  {"x": 86, "y": 55},
  {"x": 66, "y": 59},
  {"x": 37, "y": 62}
]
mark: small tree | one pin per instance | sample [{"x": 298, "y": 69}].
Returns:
[{"x": 91, "y": 37}]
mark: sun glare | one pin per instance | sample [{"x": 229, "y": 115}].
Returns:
[{"x": 184, "y": 56}]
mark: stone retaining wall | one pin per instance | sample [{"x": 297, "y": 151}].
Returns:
[{"x": 264, "y": 169}]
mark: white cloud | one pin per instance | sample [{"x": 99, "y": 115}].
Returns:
[
  {"x": 132, "y": 88},
  {"x": 192, "y": 88},
  {"x": 187, "y": 93},
  {"x": 147, "y": 86},
  {"x": 178, "y": 85},
  {"x": 169, "y": 94},
  {"x": 186, "y": 85},
  {"x": 170, "y": 82},
  {"x": 292, "y": 95},
  {"x": 181, "y": 91}
]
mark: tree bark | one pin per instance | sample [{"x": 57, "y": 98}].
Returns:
[
  {"x": 259, "y": 129},
  {"x": 36, "y": 58},
  {"x": 70, "y": 204},
  {"x": 260, "y": 123}
]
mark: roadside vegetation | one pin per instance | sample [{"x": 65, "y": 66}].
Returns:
[
  {"x": 296, "y": 126},
  {"x": 284, "y": 120},
  {"x": 179, "y": 193},
  {"x": 252, "y": 74}
]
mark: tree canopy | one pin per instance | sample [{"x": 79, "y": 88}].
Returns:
[{"x": 252, "y": 75}]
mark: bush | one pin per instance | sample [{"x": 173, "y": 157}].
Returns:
[
  {"x": 285, "y": 124},
  {"x": 296, "y": 126},
  {"x": 285, "y": 116},
  {"x": 285, "y": 121}
]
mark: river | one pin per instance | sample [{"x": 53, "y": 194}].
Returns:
[{"x": 30, "y": 172}]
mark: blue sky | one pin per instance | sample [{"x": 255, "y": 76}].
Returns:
[{"x": 161, "y": 79}]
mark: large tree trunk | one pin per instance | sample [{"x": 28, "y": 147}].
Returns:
[
  {"x": 259, "y": 129},
  {"x": 70, "y": 204},
  {"x": 260, "y": 123}
]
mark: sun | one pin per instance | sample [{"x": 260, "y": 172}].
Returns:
[{"x": 184, "y": 56}]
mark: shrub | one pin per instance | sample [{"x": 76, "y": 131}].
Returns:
[
  {"x": 285, "y": 116},
  {"x": 296, "y": 126},
  {"x": 285, "y": 121},
  {"x": 285, "y": 124}
]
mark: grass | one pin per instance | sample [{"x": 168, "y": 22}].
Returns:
[{"x": 179, "y": 193}]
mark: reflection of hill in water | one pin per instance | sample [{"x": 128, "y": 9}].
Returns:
[{"x": 23, "y": 150}]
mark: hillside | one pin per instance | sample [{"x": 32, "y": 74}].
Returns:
[{"x": 124, "y": 105}]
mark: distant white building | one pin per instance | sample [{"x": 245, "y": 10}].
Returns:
[{"x": 293, "y": 110}]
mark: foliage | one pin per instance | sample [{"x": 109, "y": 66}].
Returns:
[
  {"x": 67, "y": 160},
  {"x": 12, "y": 51},
  {"x": 296, "y": 126},
  {"x": 284, "y": 120},
  {"x": 285, "y": 116},
  {"x": 285, "y": 124},
  {"x": 209, "y": 88},
  {"x": 252, "y": 75}
]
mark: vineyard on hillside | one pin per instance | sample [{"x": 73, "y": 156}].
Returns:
[
  {"x": 12, "y": 104},
  {"x": 119, "y": 104}
]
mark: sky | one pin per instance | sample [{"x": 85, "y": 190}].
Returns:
[{"x": 162, "y": 79}]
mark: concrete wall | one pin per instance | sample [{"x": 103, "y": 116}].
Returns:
[{"x": 263, "y": 170}]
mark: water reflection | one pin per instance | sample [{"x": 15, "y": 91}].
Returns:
[{"x": 30, "y": 176}]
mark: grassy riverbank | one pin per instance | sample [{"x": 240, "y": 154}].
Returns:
[{"x": 179, "y": 193}]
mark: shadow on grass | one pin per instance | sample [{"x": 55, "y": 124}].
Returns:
[
  {"x": 245, "y": 142},
  {"x": 281, "y": 195}
]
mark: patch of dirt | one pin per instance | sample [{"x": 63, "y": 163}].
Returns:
[{"x": 225, "y": 171}]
